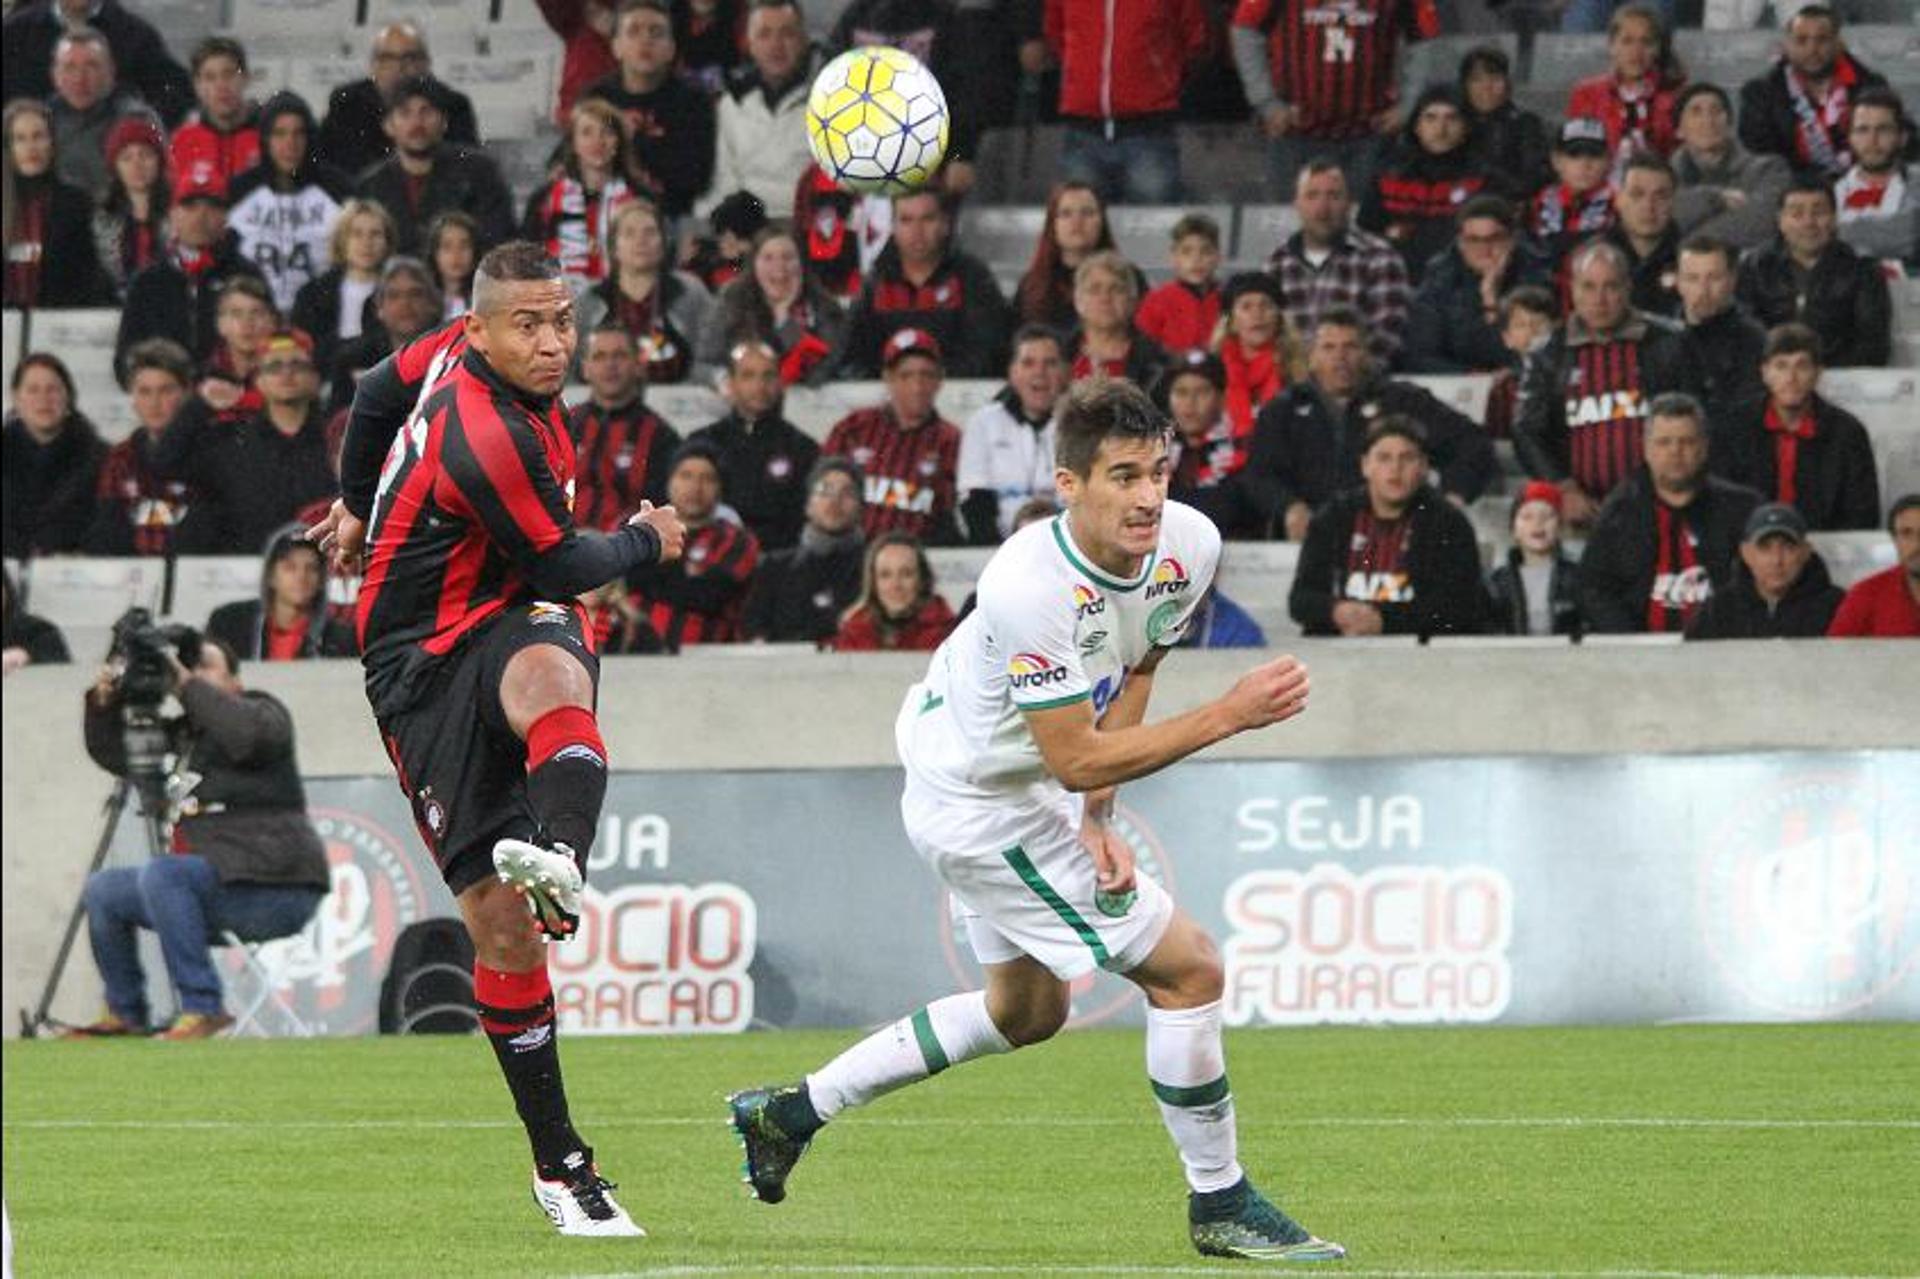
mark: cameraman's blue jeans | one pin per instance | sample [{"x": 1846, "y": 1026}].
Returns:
[{"x": 180, "y": 897}]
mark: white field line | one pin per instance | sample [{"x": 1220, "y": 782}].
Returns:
[{"x": 1342, "y": 1271}]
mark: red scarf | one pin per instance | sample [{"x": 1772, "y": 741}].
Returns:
[
  {"x": 1786, "y": 451},
  {"x": 1252, "y": 380},
  {"x": 577, "y": 222},
  {"x": 26, "y": 249},
  {"x": 1558, "y": 210},
  {"x": 1675, "y": 569},
  {"x": 1816, "y": 120}
]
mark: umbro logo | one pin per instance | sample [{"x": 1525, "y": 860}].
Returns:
[{"x": 532, "y": 1038}]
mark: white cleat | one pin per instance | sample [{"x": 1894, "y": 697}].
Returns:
[
  {"x": 550, "y": 878},
  {"x": 581, "y": 1205}
]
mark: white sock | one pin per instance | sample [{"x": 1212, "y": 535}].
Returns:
[
  {"x": 944, "y": 1033},
  {"x": 1188, "y": 1070}
]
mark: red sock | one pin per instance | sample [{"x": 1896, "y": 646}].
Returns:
[
  {"x": 516, "y": 1010},
  {"x": 566, "y": 732}
]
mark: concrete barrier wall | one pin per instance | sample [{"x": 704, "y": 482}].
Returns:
[{"x": 751, "y": 709}]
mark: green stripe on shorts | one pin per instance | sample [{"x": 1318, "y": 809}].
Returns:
[
  {"x": 930, "y": 1049},
  {"x": 1030, "y": 875},
  {"x": 1194, "y": 1095}
]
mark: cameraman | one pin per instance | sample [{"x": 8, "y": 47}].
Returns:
[{"x": 245, "y": 859}]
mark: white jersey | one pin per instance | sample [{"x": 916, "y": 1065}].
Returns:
[{"x": 1049, "y": 629}]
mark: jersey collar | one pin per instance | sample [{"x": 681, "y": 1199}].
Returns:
[{"x": 1064, "y": 540}]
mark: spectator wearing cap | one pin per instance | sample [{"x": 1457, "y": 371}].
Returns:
[
  {"x": 405, "y": 305},
  {"x": 222, "y": 134},
  {"x": 1585, "y": 399},
  {"x": 800, "y": 592},
  {"x": 254, "y": 476},
  {"x": 1104, "y": 341},
  {"x": 1121, "y": 69},
  {"x": 1722, "y": 189},
  {"x": 669, "y": 122},
  {"x": 1508, "y": 139},
  {"x": 1723, "y": 346},
  {"x": 700, "y": 597},
  {"x": 50, "y": 254},
  {"x": 51, "y": 463},
  {"x": 622, "y": 449},
  {"x": 336, "y": 306},
  {"x": 775, "y": 302},
  {"x": 1205, "y": 453},
  {"x": 1006, "y": 447},
  {"x": 1327, "y": 264},
  {"x": 908, "y": 454},
  {"x": 1322, "y": 81},
  {"x": 1801, "y": 108},
  {"x": 1780, "y": 588},
  {"x": 1182, "y": 314},
  {"x": 719, "y": 257},
  {"x": 1309, "y": 441},
  {"x": 665, "y": 310},
  {"x": 764, "y": 458},
  {"x": 1810, "y": 276},
  {"x": 1454, "y": 324},
  {"x": 1887, "y": 604},
  {"x": 138, "y": 510},
  {"x": 1535, "y": 590},
  {"x": 177, "y": 298},
  {"x": 83, "y": 106},
  {"x": 284, "y": 207},
  {"x": 426, "y": 174},
  {"x": 1074, "y": 230},
  {"x": 1879, "y": 203},
  {"x": 1257, "y": 346},
  {"x": 920, "y": 281},
  {"x": 585, "y": 27},
  {"x": 1643, "y": 229},
  {"x": 1428, "y": 172},
  {"x": 760, "y": 135},
  {"x": 1634, "y": 97},
  {"x": 1579, "y": 204},
  {"x": 130, "y": 224},
  {"x": 288, "y": 620},
  {"x": 898, "y": 608},
  {"x": 354, "y": 137},
  {"x": 1796, "y": 446},
  {"x": 35, "y": 28},
  {"x": 1667, "y": 539},
  {"x": 1391, "y": 557}
]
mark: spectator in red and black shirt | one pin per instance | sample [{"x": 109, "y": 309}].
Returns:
[
  {"x": 1391, "y": 557},
  {"x": 1887, "y": 604},
  {"x": 1802, "y": 108},
  {"x": 288, "y": 621},
  {"x": 1797, "y": 447},
  {"x": 700, "y": 598},
  {"x": 1322, "y": 77},
  {"x": 664, "y": 309},
  {"x": 426, "y": 174},
  {"x": 1328, "y": 263},
  {"x": 1429, "y": 172},
  {"x": 138, "y": 511},
  {"x": 898, "y": 608},
  {"x": 1579, "y": 204},
  {"x": 1586, "y": 396},
  {"x": 573, "y": 213},
  {"x": 670, "y": 124},
  {"x": 764, "y": 459},
  {"x": 1644, "y": 230},
  {"x": 221, "y": 136},
  {"x": 1634, "y": 97},
  {"x": 908, "y": 454},
  {"x": 622, "y": 447},
  {"x": 920, "y": 281},
  {"x": 1667, "y": 538},
  {"x": 1106, "y": 292}
]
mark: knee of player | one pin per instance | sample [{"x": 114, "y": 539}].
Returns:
[
  {"x": 1035, "y": 1022},
  {"x": 541, "y": 678}
]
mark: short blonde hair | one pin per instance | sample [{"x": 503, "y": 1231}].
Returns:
[
  {"x": 1110, "y": 262},
  {"x": 343, "y": 222}
]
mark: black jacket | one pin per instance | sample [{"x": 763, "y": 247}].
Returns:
[
  {"x": 1768, "y": 123},
  {"x": 243, "y": 625},
  {"x": 247, "y": 813},
  {"x": 763, "y": 474},
  {"x": 354, "y": 136},
  {"x": 1513, "y": 143},
  {"x": 163, "y": 302},
  {"x": 1509, "y": 596},
  {"x": 462, "y": 179},
  {"x": 47, "y": 490},
  {"x": 1724, "y": 354},
  {"x": 251, "y": 479},
  {"x": 139, "y": 55},
  {"x": 672, "y": 131},
  {"x": 1836, "y": 485},
  {"x": 1844, "y": 300},
  {"x": 1540, "y": 435},
  {"x": 42, "y": 640},
  {"x": 1653, "y": 275},
  {"x": 1302, "y": 453},
  {"x": 1617, "y": 569},
  {"x": 1448, "y": 331},
  {"x": 1415, "y": 195},
  {"x": 1738, "y": 612},
  {"x": 350, "y": 361},
  {"x": 316, "y": 310},
  {"x": 799, "y": 594},
  {"x": 70, "y": 273},
  {"x": 960, "y": 304},
  {"x": 1443, "y": 568}
]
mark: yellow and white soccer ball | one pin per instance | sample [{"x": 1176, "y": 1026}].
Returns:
[{"x": 877, "y": 121}]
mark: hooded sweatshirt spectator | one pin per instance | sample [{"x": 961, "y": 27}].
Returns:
[
  {"x": 1780, "y": 587},
  {"x": 52, "y": 461},
  {"x": 1428, "y": 173},
  {"x": 289, "y": 620},
  {"x": 284, "y": 207}
]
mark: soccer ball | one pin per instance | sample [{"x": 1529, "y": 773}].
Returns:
[{"x": 877, "y": 121}]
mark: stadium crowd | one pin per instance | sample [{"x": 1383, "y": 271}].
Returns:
[{"x": 1656, "y": 283}]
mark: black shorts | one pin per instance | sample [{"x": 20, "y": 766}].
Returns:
[{"x": 460, "y": 765}]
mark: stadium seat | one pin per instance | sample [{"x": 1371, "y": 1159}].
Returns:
[
  {"x": 1002, "y": 235},
  {"x": 687, "y": 406},
  {"x": 1014, "y": 164},
  {"x": 84, "y": 340},
  {"x": 1262, "y": 229},
  {"x": 1425, "y": 62},
  {"x": 1463, "y": 392},
  {"x": 1893, "y": 51},
  {"x": 452, "y": 26},
  {"x": 1852, "y": 556},
  {"x": 1560, "y": 58},
  {"x": 1225, "y": 162},
  {"x": 1141, "y": 231},
  {"x": 72, "y": 592},
  {"x": 253, "y": 989},
  {"x": 13, "y": 336},
  {"x": 1888, "y": 402},
  {"x": 202, "y": 583},
  {"x": 1727, "y": 58},
  {"x": 512, "y": 93},
  {"x": 315, "y": 78},
  {"x": 296, "y": 26},
  {"x": 185, "y": 22}
]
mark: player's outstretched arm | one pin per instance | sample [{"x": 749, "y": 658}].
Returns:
[{"x": 1084, "y": 757}]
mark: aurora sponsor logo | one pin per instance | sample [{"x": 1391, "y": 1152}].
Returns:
[
  {"x": 1087, "y": 602},
  {"x": 1169, "y": 578},
  {"x": 1030, "y": 670}
]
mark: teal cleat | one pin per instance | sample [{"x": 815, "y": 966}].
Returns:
[
  {"x": 772, "y": 1149},
  {"x": 1240, "y": 1222}
]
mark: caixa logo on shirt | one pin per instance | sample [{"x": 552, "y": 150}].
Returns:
[
  {"x": 1030, "y": 670},
  {"x": 1169, "y": 578}
]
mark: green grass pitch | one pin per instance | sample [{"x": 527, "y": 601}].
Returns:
[{"x": 1639, "y": 1152}]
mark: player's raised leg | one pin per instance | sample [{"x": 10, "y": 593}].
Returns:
[{"x": 1187, "y": 1070}]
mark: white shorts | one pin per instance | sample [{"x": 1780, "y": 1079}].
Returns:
[{"x": 1023, "y": 885}]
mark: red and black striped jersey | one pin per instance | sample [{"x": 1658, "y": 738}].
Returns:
[
  {"x": 621, "y": 458},
  {"x": 1606, "y": 406},
  {"x": 139, "y": 511},
  {"x": 1335, "y": 62},
  {"x": 910, "y": 474},
  {"x": 700, "y": 598},
  {"x": 1377, "y": 570}
]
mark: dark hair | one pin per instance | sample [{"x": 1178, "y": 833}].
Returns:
[
  {"x": 1693, "y": 91},
  {"x": 54, "y": 365},
  {"x": 1901, "y": 505},
  {"x": 1041, "y": 289},
  {"x": 1341, "y": 317},
  {"x": 227, "y": 650},
  {"x": 1396, "y": 426},
  {"x": 1485, "y": 57},
  {"x": 249, "y": 286},
  {"x": 941, "y": 198},
  {"x": 218, "y": 47},
  {"x": 869, "y": 599},
  {"x": 1668, "y": 70},
  {"x": 414, "y": 86},
  {"x": 515, "y": 262},
  {"x": 1315, "y": 167},
  {"x": 1813, "y": 11},
  {"x": 1884, "y": 98},
  {"x": 611, "y": 327},
  {"x": 832, "y": 463},
  {"x": 1039, "y": 333},
  {"x": 1487, "y": 205},
  {"x": 1791, "y": 339},
  {"x": 1704, "y": 243},
  {"x": 1649, "y": 162},
  {"x": 1534, "y": 298},
  {"x": 1195, "y": 224},
  {"x": 400, "y": 264},
  {"x": 1809, "y": 184},
  {"x": 444, "y": 221},
  {"x": 1100, "y": 409},
  {"x": 161, "y": 354},
  {"x": 1678, "y": 404},
  {"x": 755, "y": 6},
  {"x": 660, "y": 7}
]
